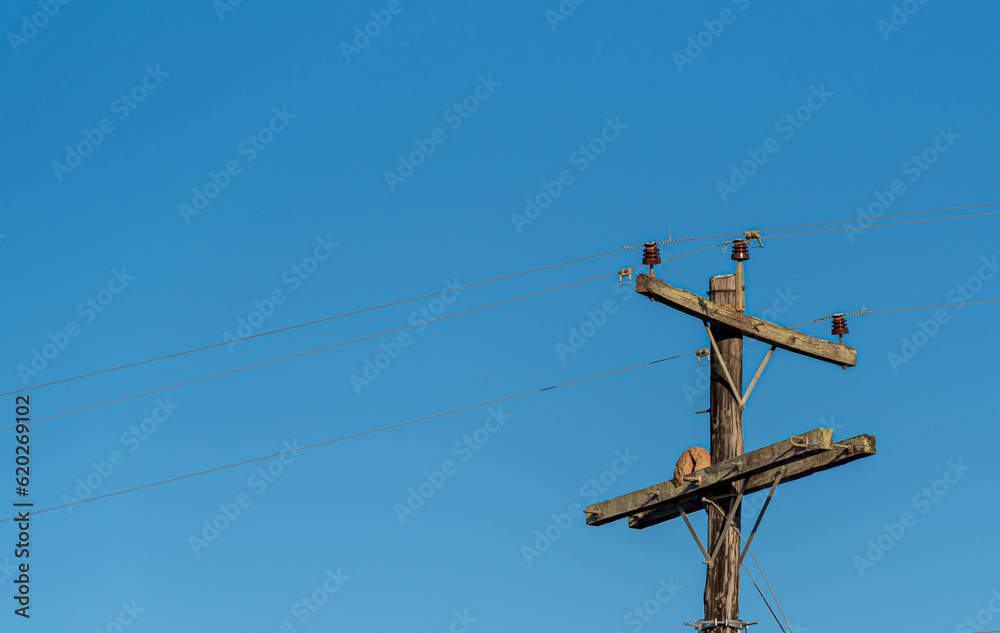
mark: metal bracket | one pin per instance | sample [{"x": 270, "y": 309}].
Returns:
[
  {"x": 706, "y": 625},
  {"x": 799, "y": 441},
  {"x": 740, "y": 399},
  {"x": 754, "y": 236},
  {"x": 622, "y": 273},
  {"x": 702, "y": 353}
]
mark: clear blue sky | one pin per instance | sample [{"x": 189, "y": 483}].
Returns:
[{"x": 207, "y": 160}]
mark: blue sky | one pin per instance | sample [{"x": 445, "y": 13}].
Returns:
[{"x": 173, "y": 170}]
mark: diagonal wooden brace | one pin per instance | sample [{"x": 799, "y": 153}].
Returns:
[{"x": 740, "y": 399}]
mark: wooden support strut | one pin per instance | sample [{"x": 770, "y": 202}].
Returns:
[{"x": 740, "y": 398}]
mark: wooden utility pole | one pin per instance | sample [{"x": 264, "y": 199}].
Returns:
[
  {"x": 733, "y": 473},
  {"x": 722, "y": 579}
]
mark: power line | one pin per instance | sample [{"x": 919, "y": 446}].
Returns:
[
  {"x": 883, "y": 217},
  {"x": 763, "y": 575},
  {"x": 300, "y": 325},
  {"x": 866, "y": 312},
  {"x": 355, "y": 435},
  {"x": 764, "y": 598},
  {"x": 488, "y": 281},
  {"x": 312, "y": 351},
  {"x": 876, "y": 226},
  {"x": 808, "y": 226}
]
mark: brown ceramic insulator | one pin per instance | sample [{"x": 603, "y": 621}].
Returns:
[
  {"x": 840, "y": 325},
  {"x": 651, "y": 255},
  {"x": 741, "y": 252}
]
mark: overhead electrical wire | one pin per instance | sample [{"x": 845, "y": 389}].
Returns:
[
  {"x": 809, "y": 226},
  {"x": 300, "y": 325},
  {"x": 312, "y": 351},
  {"x": 876, "y": 226},
  {"x": 884, "y": 217},
  {"x": 883, "y": 311},
  {"x": 461, "y": 313},
  {"x": 355, "y": 435},
  {"x": 513, "y": 275},
  {"x": 763, "y": 575}
]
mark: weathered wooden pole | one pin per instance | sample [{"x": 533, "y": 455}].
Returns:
[
  {"x": 722, "y": 581},
  {"x": 797, "y": 457}
]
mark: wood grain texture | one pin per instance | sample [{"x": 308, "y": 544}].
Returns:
[
  {"x": 722, "y": 579},
  {"x": 669, "y": 495},
  {"x": 751, "y": 327},
  {"x": 844, "y": 452}
]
